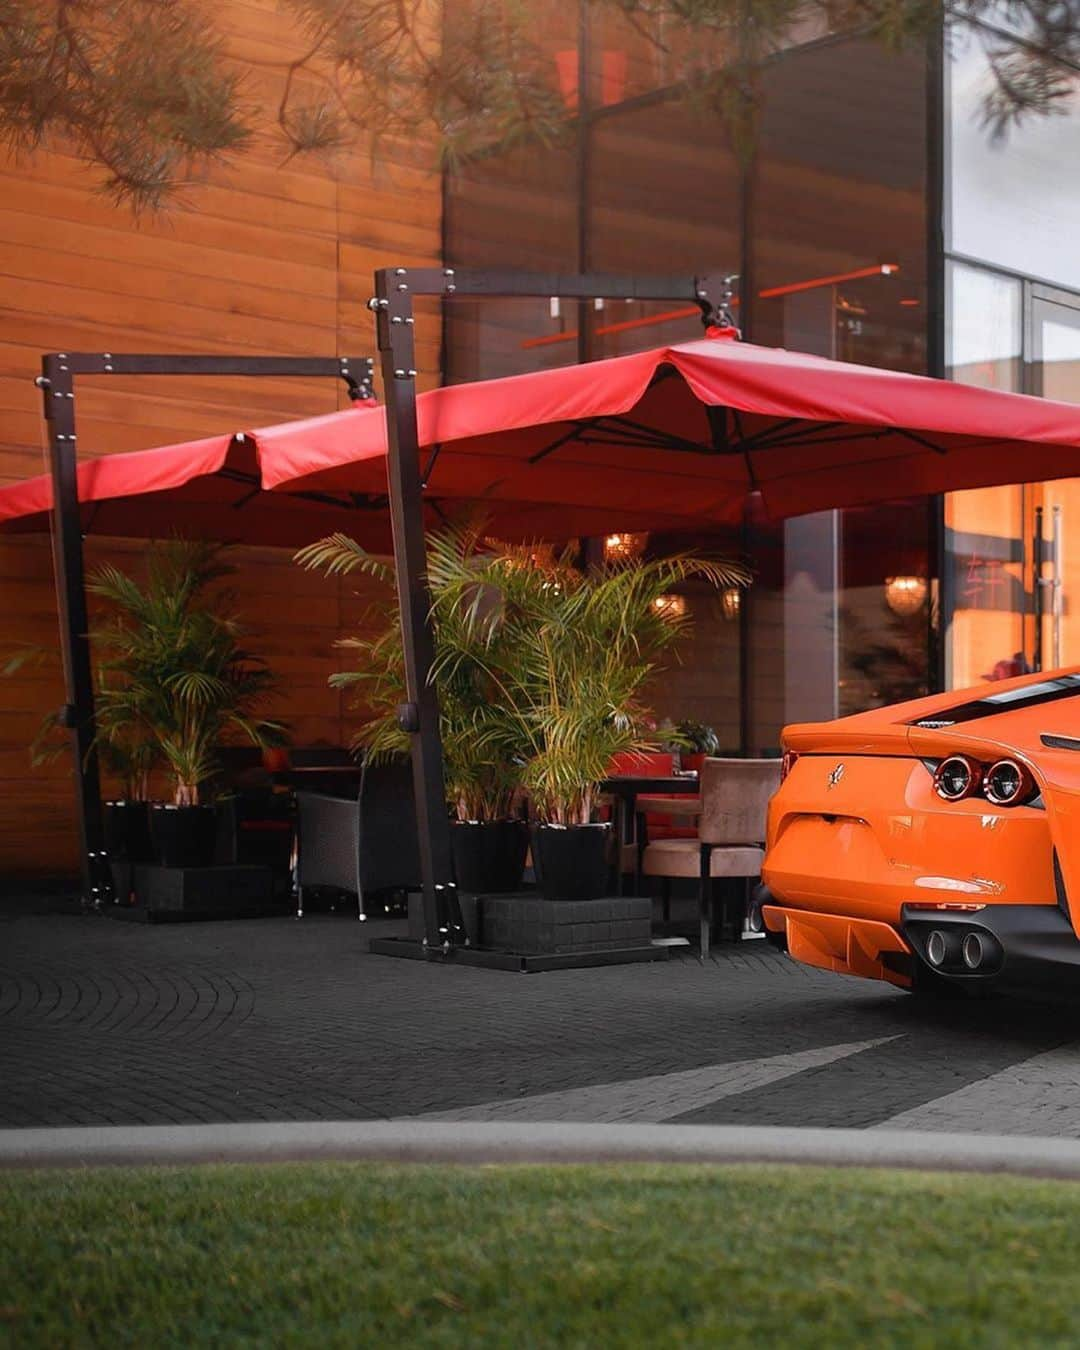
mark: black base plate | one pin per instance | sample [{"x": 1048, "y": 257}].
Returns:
[{"x": 490, "y": 960}]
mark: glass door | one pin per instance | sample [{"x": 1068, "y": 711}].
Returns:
[
  {"x": 1013, "y": 577},
  {"x": 1054, "y": 372}
]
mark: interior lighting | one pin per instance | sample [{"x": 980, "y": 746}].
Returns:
[
  {"x": 731, "y": 603},
  {"x": 670, "y": 606},
  {"x": 622, "y": 547},
  {"x": 905, "y": 595}
]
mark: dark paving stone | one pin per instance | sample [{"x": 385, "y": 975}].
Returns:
[{"x": 278, "y": 1020}]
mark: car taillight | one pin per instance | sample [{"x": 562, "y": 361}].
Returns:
[
  {"x": 788, "y": 763},
  {"x": 1007, "y": 783},
  {"x": 957, "y": 777}
]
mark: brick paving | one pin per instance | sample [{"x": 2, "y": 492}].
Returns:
[{"x": 111, "y": 1023}]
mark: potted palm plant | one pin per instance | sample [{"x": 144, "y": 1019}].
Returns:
[
  {"x": 482, "y": 739},
  {"x": 175, "y": 677},
  {"x": 577, "y": 653}
]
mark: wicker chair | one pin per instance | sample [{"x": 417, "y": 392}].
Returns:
[
  {"x": 364, "y": 844},
  {"x": 731, "y": 828}
]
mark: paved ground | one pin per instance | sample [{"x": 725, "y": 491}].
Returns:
[{"x": 111, "y": 1023}]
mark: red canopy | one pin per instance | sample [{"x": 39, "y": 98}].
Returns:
[
  {"x": 693, "y": 429},
  {"x": 672, "y": 438}
]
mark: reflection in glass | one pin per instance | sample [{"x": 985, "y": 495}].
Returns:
[
  {"x": 839, "y": 204},
  {"x": 1013, "y": 201},
  {"x": 662, "y": 196},
  {"x": 984, "y": 333}
]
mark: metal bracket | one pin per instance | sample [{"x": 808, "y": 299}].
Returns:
[
  {"x": 361, "y": 383},
  {"x": 408, "y": 718},
  {"x": 716, "y": 313}
]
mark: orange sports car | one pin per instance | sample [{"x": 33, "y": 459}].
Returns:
[{"x": 933, "y": 843}]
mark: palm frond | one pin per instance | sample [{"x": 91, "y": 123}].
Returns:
[{"x": 338, "y": 555}]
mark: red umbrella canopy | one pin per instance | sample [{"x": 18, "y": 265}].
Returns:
[
  {"x": 207, "y": 489},
  {"x": 690, "y": 432},
  {"x": 212, "y": 489},
  {"x": 675, "y": 438}
]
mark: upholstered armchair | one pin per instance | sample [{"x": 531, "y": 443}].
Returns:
[{"x": 730, "y": 833}]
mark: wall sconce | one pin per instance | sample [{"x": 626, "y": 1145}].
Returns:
[
  {"x": 670, "y": 606},
  {"x": 624, "y": 547},
  {"x": 905, "y": 595},
  {"x": 731, "y": 603}
]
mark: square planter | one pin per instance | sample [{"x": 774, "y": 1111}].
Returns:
[
  {"x": 175, "y": 894},
  {"x": 528, "y": 925}
]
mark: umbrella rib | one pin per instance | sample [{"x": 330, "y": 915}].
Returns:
[
  {"x": 556, "y": 444},
  {"x": 772, "y": 435},
  {"x": 238, "y": 476},
  {"x": 430, "y": 466},
  {"x": 636, "y": 435},
  {"x": 831, "y": 468},
  {"x": 921, "y": 440},
  {"x": 661, "y": 439},
  {"x": 874, "y": 434},
  {"x": 629, "y": 443}
]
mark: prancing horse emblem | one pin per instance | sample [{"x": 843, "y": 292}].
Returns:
[{"x": 835, "y": 776}]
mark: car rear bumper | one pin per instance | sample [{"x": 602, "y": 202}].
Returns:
[
  {"x": 1036, "y": 946},
  {"x": 1029, "y": 947},
  {"x": 841, "y": 943}
]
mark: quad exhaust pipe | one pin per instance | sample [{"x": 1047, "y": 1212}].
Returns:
[
  {"x": 942, "y": 948},
  {"x": 972, "y": 951}
]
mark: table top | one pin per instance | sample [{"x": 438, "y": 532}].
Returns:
[
  {"x": 631, "y": 785},
  {"x": 351, "y": 770}
]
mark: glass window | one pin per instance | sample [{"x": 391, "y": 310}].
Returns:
[
  {"x": 986, "y": 577},
  {"x": 515, "y": 209},
  {"x": 984, "y": 335},
  {"x": 663, "y": 197},
  {"x": 840, "y": 615},
  {"x": 839, "y": 204},
  {"x": 1013, "y": 201}
]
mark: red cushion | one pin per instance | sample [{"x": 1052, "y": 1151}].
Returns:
[{"x": 643, "y": 764}]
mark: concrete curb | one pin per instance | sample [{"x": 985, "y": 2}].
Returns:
[{"x": 474, "y": 1143}]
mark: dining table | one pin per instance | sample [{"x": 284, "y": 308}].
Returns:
[{"x": 628, "y": 789}]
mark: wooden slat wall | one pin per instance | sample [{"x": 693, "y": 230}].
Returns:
[{"x": 264, "y": 257}]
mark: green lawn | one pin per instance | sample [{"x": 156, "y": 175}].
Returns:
[{"x": 362, "y": 1255}]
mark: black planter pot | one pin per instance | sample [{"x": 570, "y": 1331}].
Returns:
[
  {"x": 571, "y": 861},
  {"x": 127, "y": 831},
  {"x": 489, "y": 856},
  {"x": 184, "y": 836}
]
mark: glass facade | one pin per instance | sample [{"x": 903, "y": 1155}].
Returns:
[
  {"x": 1010, "y": 579},
  {"x": 828, "y": 222}
]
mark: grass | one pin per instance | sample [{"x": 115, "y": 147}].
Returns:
[{"x": 364, "y": 1255}]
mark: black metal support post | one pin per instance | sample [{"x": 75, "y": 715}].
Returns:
[
  {"x": 57, "y": 384},
  {"x": 392, "y": 304}
]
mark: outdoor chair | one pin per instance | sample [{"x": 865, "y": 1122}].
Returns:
[
  {"x": 731, "y": 829},
  {"x": 364, "y": 844}
]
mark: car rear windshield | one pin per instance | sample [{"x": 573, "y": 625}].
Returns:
[{"x": 1009, "y": 700}]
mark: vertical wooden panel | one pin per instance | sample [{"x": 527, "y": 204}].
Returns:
[{"x": 265, "y": 256}]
